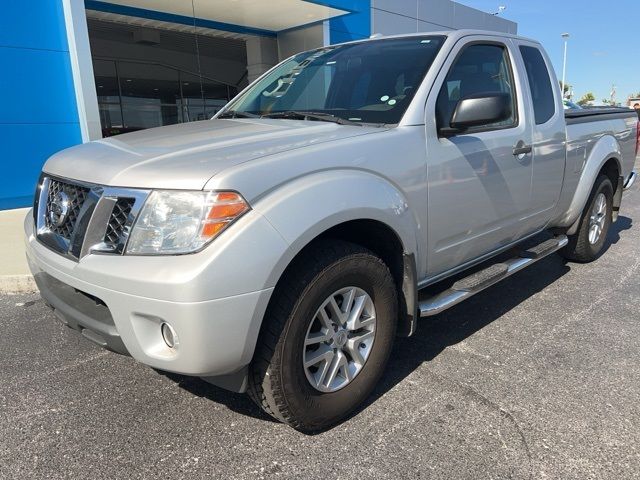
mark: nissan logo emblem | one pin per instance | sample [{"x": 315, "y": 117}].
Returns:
[{"x": 59, "y": 208}]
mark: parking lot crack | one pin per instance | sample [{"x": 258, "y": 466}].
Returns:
[{"x": 482, "y": 399}]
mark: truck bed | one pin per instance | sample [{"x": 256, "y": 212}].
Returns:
[{"x": 595, "y": 114}]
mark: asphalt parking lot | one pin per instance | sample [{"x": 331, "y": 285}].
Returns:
[{"x": 538, "y": 377}]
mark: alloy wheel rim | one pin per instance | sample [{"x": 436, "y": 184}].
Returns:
[
  {"x": 597, "y": 218},
  {"x": 339, "y": 339}
]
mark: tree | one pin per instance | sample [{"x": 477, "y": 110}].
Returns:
[
  {"x": 566, "y": 90},
  {"x": 586, "y": 99}
]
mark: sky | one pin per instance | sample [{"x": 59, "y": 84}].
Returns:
[{"x": 604, "y": 43}]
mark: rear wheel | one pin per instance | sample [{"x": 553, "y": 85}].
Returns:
[
  {"x": 587, "y": 243},
  {"x": 326, "y": 337}
]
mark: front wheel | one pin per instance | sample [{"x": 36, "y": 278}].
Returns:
[
  {"x": 326, "y": 337},
  {"x": 587, "y": 243}
]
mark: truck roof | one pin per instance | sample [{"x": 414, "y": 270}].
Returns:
[{"x": 455, "y": 34}]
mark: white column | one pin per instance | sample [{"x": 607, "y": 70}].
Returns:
[
  {"x": 326, "y": 33},
  {"x": 300, "y": 39},
  {"x": 262, "y": 54},
  {"x": 82, "y": 68}
]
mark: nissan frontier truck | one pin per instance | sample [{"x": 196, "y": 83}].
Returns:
[{"x": 278, "y": 248}]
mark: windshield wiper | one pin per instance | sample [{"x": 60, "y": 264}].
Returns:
[
  {"x": 318, "y": 116},
  {"x": 237, "y": 114}
]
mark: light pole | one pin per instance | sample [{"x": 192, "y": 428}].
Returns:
[{"x": 565, "y": 36}]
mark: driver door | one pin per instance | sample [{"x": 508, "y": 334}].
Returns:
[{"x": 479, "y": 191}]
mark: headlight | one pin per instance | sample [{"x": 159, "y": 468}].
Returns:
[{"x": 175, "y": 222}]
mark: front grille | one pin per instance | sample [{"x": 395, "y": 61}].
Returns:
[
  {"x": 76, "y": 219},
  {"x": 118, "y": 220},
  {"x": 76, "y": 195}
]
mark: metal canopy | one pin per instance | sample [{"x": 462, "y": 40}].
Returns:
[{"x": 253, "y": 15}]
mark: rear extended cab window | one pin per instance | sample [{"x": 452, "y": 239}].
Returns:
[{"x": 544, "y": 105}]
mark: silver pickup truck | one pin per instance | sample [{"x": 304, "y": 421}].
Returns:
[{"x": 278, "y": 248}]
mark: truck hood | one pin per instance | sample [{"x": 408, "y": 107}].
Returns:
[{"x": 187, "y": 155}]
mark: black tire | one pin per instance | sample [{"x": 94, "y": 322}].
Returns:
[
  {"x": 580, "y": 249},
  {"x": 277, "y": 380}
]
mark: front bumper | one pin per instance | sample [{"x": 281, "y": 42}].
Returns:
[
  {"x": 120, "y": 302},
  {"x": 79, "y": 310}
]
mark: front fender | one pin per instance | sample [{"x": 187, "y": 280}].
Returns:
[
  {"x": 605, "y": 148},
  {"x": 305, "y": 207}
]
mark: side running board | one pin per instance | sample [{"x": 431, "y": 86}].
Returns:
[{"x": 476, "y": 282}]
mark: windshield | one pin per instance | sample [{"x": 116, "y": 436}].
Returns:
[{"x": 368, "y": 82}]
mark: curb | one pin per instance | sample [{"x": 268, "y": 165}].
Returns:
[{"x": 13, "y": 284}]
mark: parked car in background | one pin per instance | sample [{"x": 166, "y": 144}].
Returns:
[
  {"x": 279, "y": 248},
  {"x": 634, "y": 102},
  {"x": 569, "y": 105}
]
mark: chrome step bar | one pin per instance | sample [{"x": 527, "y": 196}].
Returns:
[{"x": 469, "y": 286}]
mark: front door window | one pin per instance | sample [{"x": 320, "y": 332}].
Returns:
[{"x": 479, "y": 69}]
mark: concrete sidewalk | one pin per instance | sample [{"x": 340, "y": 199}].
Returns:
[{"x": 15, "y": 276}]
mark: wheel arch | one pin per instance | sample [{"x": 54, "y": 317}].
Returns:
[
  {"x": 383, "y": 241},
  {"x": 611, "y": 168},
  {"x": 354, "y": 206},
  {"x": 605, "y": 157}
]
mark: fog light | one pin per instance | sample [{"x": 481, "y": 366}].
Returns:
[{"x": 169, "y": 335}]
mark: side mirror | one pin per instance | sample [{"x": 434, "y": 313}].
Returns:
[{"x": 479, "y": 109}]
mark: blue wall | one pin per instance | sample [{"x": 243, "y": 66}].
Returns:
[
  {"x": 38, "y": 116},
  {"x": 354, "y": 26}
]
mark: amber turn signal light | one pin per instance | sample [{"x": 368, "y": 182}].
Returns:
[{"x": 225, "y": 207}]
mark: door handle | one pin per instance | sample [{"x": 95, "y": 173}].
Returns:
[{"x": 521, "y": 148}]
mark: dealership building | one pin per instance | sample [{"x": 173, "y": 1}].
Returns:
[{"x": 76, "y": 71}]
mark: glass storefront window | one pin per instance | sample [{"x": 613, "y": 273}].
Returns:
[
  {"x": 149, "y": 95},
  {"x": 150, "y": 75},
  {"x": 193, "y": 107},
  {"x": 108, "y": 93},
  {"x": 216, "y": 95},
  {"x": 110, "y": 115},
  {"x": 138, "y": 95},
  {"x": 106, "y": 81}
]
